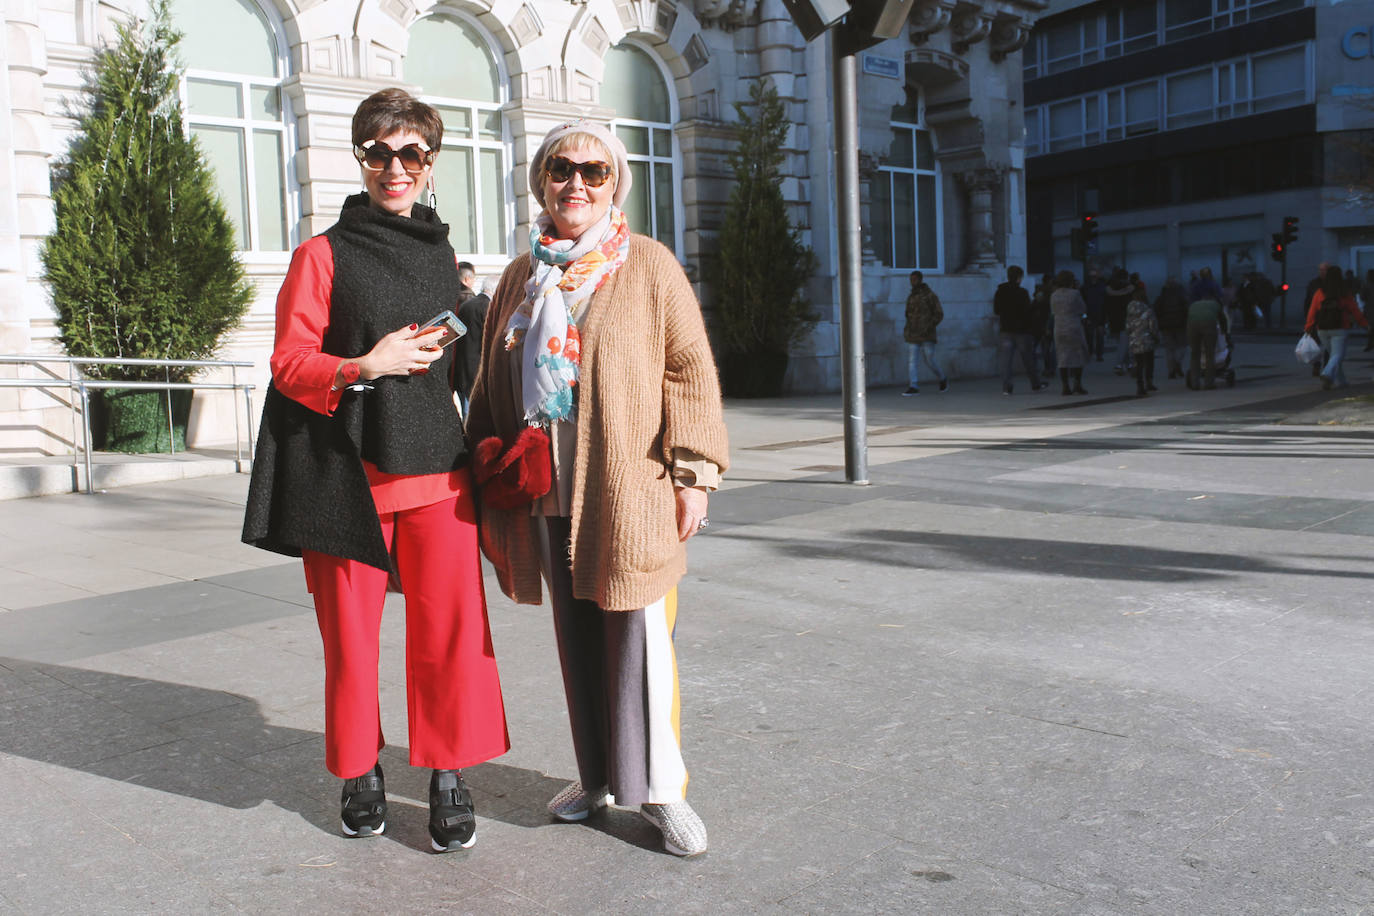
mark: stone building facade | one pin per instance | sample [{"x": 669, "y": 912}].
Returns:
[{"x": 270, "y": 86}]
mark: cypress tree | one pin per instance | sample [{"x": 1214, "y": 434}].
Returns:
[
  {"x": 762, "y": 268},
  {"x": 142, "y": 261}
]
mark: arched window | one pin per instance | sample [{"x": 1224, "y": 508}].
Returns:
[
  {"x": 906, "y": 196},
  {"x": 459, "y": 76},
  {"x": 635, "y": 89},
  {"x": 233, "y": 103}
]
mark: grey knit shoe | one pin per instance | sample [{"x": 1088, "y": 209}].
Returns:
[
  {"x": 683, "y": 832},
  {"x": 574, "y": 803}
]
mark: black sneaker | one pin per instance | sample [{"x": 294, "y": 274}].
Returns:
[
  {"x": 363, "y": 809},
  {"x": 910, "y": 391},
  {"x": 944, "y": 384},
  {"x": 452, "y": 821}
]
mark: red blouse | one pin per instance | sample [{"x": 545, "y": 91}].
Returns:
[{"x": 302, "y": 371}]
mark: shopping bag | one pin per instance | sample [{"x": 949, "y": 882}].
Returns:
[{"x": 1307, "y": 349}]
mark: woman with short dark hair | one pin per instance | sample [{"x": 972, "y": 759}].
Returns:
[{"x": 362, "y": 470}]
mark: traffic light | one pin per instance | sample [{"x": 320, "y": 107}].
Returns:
[
  {"x": 1089, "y": 229},
  {"x": 1290, "y": 230},
  {"x": 1276, "y": 249},
  {"x": 1283, "y": 288}
]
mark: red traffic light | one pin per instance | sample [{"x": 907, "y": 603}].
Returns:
[{"x": 1283, "y": 288}]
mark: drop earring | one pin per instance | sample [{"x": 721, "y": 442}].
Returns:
[{"x": 433, "y": 198}]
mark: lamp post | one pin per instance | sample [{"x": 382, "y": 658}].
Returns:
[{"x": 854, "y": 26}]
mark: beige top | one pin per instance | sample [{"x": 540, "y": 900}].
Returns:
[
  {"x": 647, "y": 389},
  {"x": 689, "y": 469}
]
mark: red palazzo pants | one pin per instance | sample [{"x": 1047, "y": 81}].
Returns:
[{"x": 453, "y": 693}]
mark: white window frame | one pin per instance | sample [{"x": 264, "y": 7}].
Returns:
[
  {"x": 247, "y": 125},
  {"x": 887, "y": 171},
  {"x": 673, "y": 161},
  {"x": 476, "y": 143}
]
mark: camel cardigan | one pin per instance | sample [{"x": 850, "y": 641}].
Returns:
[{"x": 647, "y": 386}]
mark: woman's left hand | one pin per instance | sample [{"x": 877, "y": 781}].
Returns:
[{"x": 691, "y": 511}]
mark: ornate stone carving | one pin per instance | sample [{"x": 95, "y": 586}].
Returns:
[
  {"x": 980, "y": 183},
  {"x": 929, "y": 17},
  {"x": 726, "y": 14},
  {"x": 1009, "y": 35},
  {"x": 969, "y": 26},
  {"x": 696, "y": 54}
]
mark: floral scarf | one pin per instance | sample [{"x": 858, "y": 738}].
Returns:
[{"x": 566, "y": 273}]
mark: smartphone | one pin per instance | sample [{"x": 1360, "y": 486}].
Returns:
[{"x": 453, "y": 328}]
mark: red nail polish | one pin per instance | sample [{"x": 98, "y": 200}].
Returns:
[{"x": 415, "y": 327}]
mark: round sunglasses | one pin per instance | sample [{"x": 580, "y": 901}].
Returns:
[
  {"x": 594, "y": 172},
  {"x": 376, "y": 156}
]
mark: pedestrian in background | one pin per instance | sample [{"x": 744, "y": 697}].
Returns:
[
  {"x": 1367, "y": 296},
  {"x": 1313, "y": 286},
  {"x": 1206, "y": 319},
  {"x": 923, "y": 316},
  {"x": 1043, "y": 323},
  {"x": 1094, "y": 296},
  {"x": 362, "y": 470},
  {"x": 1070, "y": 342},
  {"x": 467, "y": 275},
  {"x": 467, "y": 361},
  {"x": 1331, "y": 318},
  {"x": 1016, "y": 323},
  {"x": 1171, "y": 312},
  {"x": 1142, "y": 328},
  {"x": 597, "y": 378},
  {"x": 1262, "y": 289},
  {"x": 1119, "y": 293}
]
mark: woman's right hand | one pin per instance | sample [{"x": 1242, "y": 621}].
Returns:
[{"x": 401, "y": 352}]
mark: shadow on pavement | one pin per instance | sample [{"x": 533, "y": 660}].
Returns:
[
  {"x": 218, "y": 747},
  {"x": 891, "y": 548}
]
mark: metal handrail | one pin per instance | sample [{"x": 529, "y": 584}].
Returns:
[{"x": 83, "y": 386}]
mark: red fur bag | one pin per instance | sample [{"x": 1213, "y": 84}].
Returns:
[{"x": 515, "y": 476}]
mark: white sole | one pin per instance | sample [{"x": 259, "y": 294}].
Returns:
[
  {"x": 365, "y": 832},
  {"x": 667, "y": 846},
  {"x": 472, "y": 841}
]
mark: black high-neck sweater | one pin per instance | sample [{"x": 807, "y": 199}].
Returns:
[{"x": 309, "y": 490}]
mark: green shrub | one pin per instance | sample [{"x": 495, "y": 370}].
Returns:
[
  {"x": 762, "y": 267},
  {"x": 142, "y": 261}
]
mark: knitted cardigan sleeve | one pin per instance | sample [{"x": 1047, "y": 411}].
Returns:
[{"x": 692, "y": 415}]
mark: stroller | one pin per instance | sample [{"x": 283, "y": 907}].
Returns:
[{"x": 1225, "y": 373}]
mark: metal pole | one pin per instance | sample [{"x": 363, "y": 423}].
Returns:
[
  {"x": 171, "y": 425},
  {"x": 248, "y": 402},
  {"x": 1283, "y": 292},
  {"x": 238, "y": 434},
  {"x": 86, "y": 443},
  {"x": 851, "y": 280}
]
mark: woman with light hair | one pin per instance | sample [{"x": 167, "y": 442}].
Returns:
[{"x": 598, "y": 420}]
